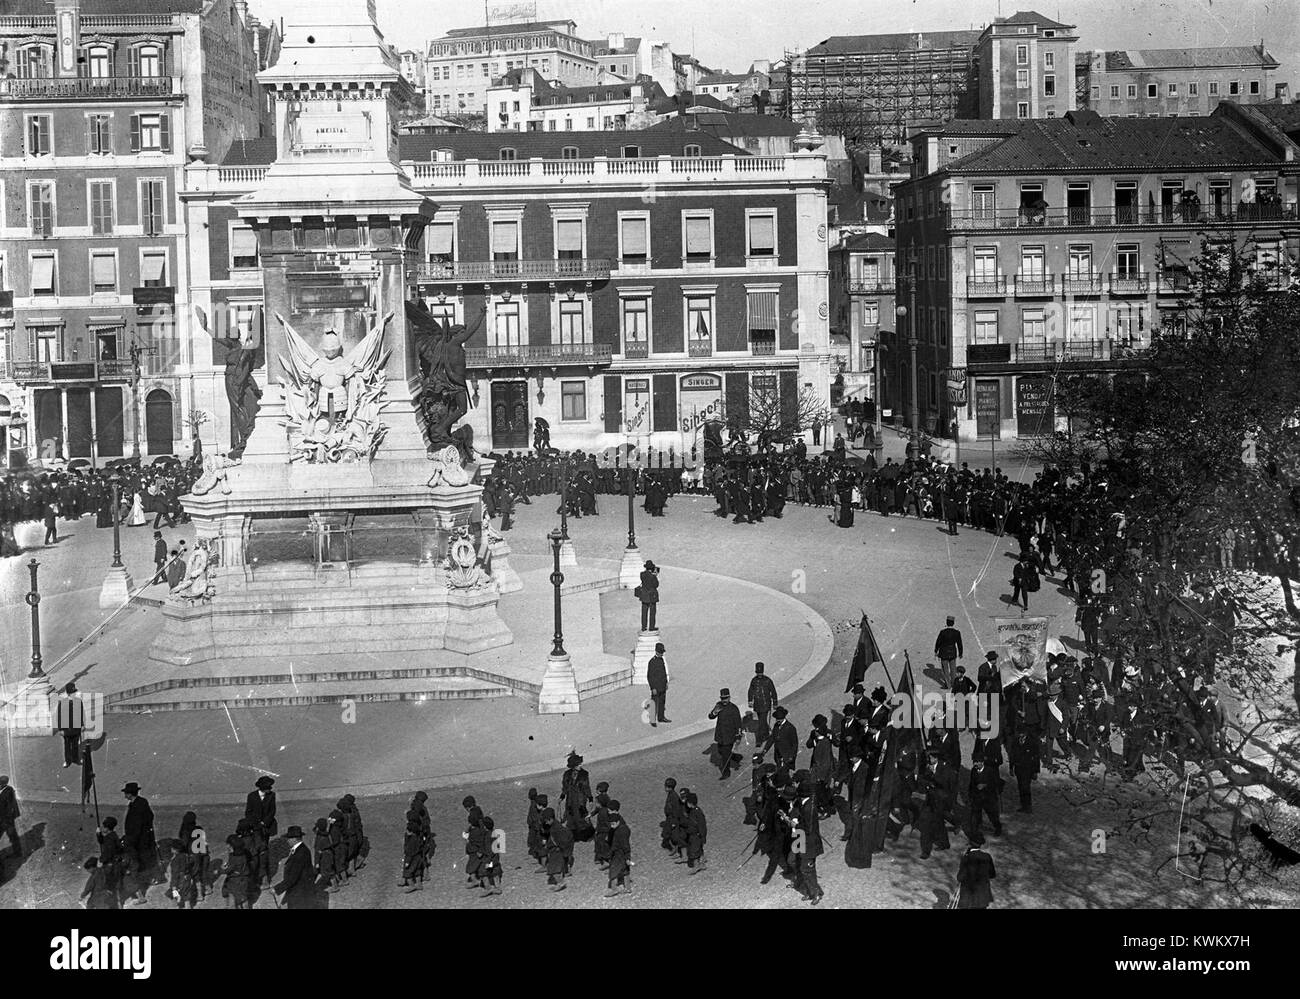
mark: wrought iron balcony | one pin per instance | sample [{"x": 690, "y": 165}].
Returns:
[
  {"x": 1081, "y": 284},
  {"x": 539, "y": 355},
  {"x": 1038, "y": 286},
  {"x": 1130, "y": 284},
  {"x": 636, "y": 349},
  {"x": 116, "y": 370},
  {"x": 487, "y": 271},
  {"x": 81, "y": 88},
  {"x": 699, "y": 348},
  {"x": 871, "y": 288},
  {"x": 983, "y": 287},
  {"x": 762, "y": 346},
  {"x": 1123, "y": 217}
]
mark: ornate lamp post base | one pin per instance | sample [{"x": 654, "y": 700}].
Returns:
[
  {"x": 629, "y": 570},
  {"x": 116, "y": 589},
  {"x": 559, "y": 694},
  {"x": 642, "y": 654},
  {"x": 568, "y": 557}
]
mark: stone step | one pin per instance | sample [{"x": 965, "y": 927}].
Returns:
[{"x": 273, "y": 695}]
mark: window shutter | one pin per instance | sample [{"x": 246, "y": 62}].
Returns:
[
  {"x": 665, "y": 402},
  {"x": 762, "y": 310},
  {"x": 43, "y": 128},
  {"x": 92, "y": 135},
  {"x": 762, "y": 233},
  {"x": 613, "y": 404},
  {"x": 504, "y": 239},
  {"x": 135, "y": 133},
  {"x": 104, "y": 269},
  {"x": 697, "y": 236},
  {"x": 568, "y": 235},
  {"x": 243, "y": 243},
  {"x": 634, "y": 237},
  {"x": 165, "y": 124},
  {"x": 439, "y": 237},
  {"x": 133, "y": 62}
]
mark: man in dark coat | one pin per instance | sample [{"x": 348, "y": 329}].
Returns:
[
  {"x": 620, "y": 851},
  {"x": 648, "y": 593},
  {"x": 947, "y": 648},
  {"x": 783, "y": 740},
  {"x": 697, "y": 833},
  {"x": 657, "y": 680},
  {"x": 672, "y": 815},
  {"x": 762, "y": 699},
  {"x": 138, "y": 840},
  {"x": 974, "y": 875},
  {"x": 983, "y": 797},
  {"x": 807, "y": 846},
  {"x": 159, "y": 558},
  {"x": 9, "y": 812},
  {"x": 726, "y": 731},
  {"x": 575, "y": 792},
  {"x": 298, "y": 885},
  {"x": 51, "y": 524},
  {"x": 259, "y": 809}
]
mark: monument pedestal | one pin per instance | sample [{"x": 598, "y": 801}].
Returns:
[
  {"x": 472, "y": 622},
  {"x": 116, "y": 589},
  {"x": 642, "y": 654},
  {"x": 503, "y": 572},
  {"x": 559, "y": 694},
  {"x": 568, "y": 555},
  {"x": 629, "y": 570}
]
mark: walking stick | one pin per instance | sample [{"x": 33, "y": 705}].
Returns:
[
  {"x": 94, "y": 790},
  {"x": 956, "y": 897}
]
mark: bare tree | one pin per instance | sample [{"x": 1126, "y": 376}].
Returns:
[{"x": 772, "y": 419}]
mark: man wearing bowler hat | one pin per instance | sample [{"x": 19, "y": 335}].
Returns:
[
  {"x": 138, "y": 841},
  {"x": 259, "y": 809},
  {"x": 298, "y": 886},
  {"x": 783, "y": 739},
  {"x": 726, "y": 731},
  {"x": 648, "y": 593},
  {"x": 657, "y": 679}
]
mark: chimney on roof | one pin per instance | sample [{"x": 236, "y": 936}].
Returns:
[{"x": 241, "y": 7}]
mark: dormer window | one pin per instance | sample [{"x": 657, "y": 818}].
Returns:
[
  {"x": 569, "y": 153},
  {"x": 507, "y": 153},
  {"x": 631, "y": 152},
  {"x": 691, "y": 150}
]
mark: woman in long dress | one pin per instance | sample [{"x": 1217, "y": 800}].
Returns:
[{"x": 137, "y": 517}]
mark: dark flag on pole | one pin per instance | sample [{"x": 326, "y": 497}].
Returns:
[
  {"x": 880, "y": 799},
  {"x": 87, "y": 773},
  {"x": 867, "y": 652}
]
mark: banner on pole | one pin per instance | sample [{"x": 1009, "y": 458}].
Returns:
[{"x": 1024, "y": 640}]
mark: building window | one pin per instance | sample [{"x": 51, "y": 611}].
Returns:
[
  {"x": 506, "y": 153},
  {"x": 1033, "y": 326},
  {"x": 636, "y": 327},
  {"x": 1049, "y": 60},
  {"x": 1033, "y": 263},
  {"x": 631, "y": 152},
  {"x": 1022, "y": 79},
  {"x": 1193, "y": 89},
  {"x": 1096, "y": 93},
  {"x": 1114, "y": 92},
  {"x": 1083, "y": 322},
  {"x": 943, "y": 327},
  {"x": 762, "y": 309},
  {"x": 1234, "y": 88},
  {"x": 1049, "y": 86},
  {"x": 1132, "y": 91},
  {"x": 1254, "y": 87},
  {"x": 573, "y": 326},
  {"x": 573, "y": 400},
  {"x": 1128, "y": 322},
  {"x": 40, "y": 211},
  {"x": 101, "y": 207},
  {"x": 152, "y": 207},
  {"x": 146, "y": 61},
  {"x": 699, "y": 326},
  {"x": 1080, "y": 261},
  {"x": 35, "y": 63},
  {"x": 153, "y": 268},
  {"x": 45, "y": 344},
  {"x": 243, "y": 247},
  {"x": 106, "y": 342},
  {"x": 1022, "y": 109},
  {"x": 634, "y": 239},
  {"x": 986, "y": 263},
  {"x": 698, "y": 237},
  {"x": 1152, "y": 90},
  {"x": 151, "y": 133},
  {"x": 103, "y": 274},
  {"x": 99, "y": 63},
  {"x": 99, "y": 136},
  {"x": 1127, "y": 260},
  {"x": 568, "y": 152},
  {"x": 691, "y": 150},
  {"x": 568, "y": 239},
  {"x": 986, "y": 327},
  {"x": 1022, "y": 55},
  {"x": 1214, "y": 88},
  {"x": 45, "y": 274},
  {"x": 762, "y": 236},
  {"x": 38, "y": 135},
  {"x": 505, "y": 241},
  {"x": 505, "y": 326},
  {"x": 870, "y": 313}
]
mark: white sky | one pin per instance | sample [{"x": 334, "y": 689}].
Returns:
[{"x": 732, "y": 33}]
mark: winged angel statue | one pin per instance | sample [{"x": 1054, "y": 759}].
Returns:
[{"x": 335, "y": 399}]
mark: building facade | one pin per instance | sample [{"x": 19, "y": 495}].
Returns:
[
  {"x": 522, "y": 101},
  {"x": 101, "y": 106},
  {"x": 1060, "y": 245},
  {"x": 1140, "y": 83},
  {"x": 628, "y": 57},
  {"x": 461, "y": 65},
  {"x": 1026, "y": 67},
  {"x": 622, "y": 299},
  {"x": 863, "y": 300}
]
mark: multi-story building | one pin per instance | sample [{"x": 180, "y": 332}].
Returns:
[
  {"x": 630, "y": 286},
  {"x": 1140, "y": 83},
  {"x": 876, "y": 88},
  {"x": 412, "y": 67},
  {"x": 462, "y": 65},
  {"x": 629, "y": 57},
  {"x": 863, "y": 300},
  {"x": 1030, "y": 248},
  {"x": 522, "y": 101},
  {"x": 1026, "y": 67},
  {"x": 102, "y": 102}
]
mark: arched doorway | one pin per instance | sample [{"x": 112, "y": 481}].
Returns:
[{"x": 158, "y": 422}]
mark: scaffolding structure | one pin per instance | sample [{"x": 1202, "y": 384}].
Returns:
[{"x": 872, "y": 89}]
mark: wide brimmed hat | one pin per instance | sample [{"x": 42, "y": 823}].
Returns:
[{"x": 131, "y": 788}]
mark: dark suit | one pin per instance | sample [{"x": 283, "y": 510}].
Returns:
[
  {"x": 657, "y": 679},
  {"x": 298, "y": 886},
  {"x": 138, "y": 842},
  {"x": 808, "y": 848},
  {"x": 974, "y": 875},
  {"x": 726, "y": 732},
  {"x": 9, "y": 813},
  {"x": 261, "y": 812},
  {"x": 786, "y": 742},
  {"x": 762, "y": 698},
  {"x": 160, "y": 560},
  {"x": 649, "y": 599}
]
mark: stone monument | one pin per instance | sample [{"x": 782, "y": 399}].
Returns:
[{"x": 335, "y": 523}]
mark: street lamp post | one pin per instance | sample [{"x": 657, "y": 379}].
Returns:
[
  {"x": 559, "y": 693},
  {"x": 909, "y": 312},
  {"x": 117, "y": 582},
  {"x": 117, "y": 520},
  {"x": 629, "y": 570},
  {"x": 568, "y": 557},
  {"x": 34, "y": 602}
]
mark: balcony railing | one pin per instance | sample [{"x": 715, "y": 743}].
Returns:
[
  {"x": 601, "y": 169},
  {"x": 1242, "y": 214},
  {"x": 1130, "y": 284},
  {"x": 89, "y": 88},
  {"x": 984, "y": 287},
  {"x": 1081, "y": 284},
  {"x": 762, "y": 346},
  {"x": 1076, "y": 351},
  {"x": 538, "y": 355},
  {"x": 158, "y": 364},
  {"x": 636, "y": 349},
  {"x": 1174, "y": 283},
  {"x": 871, "y": 288},
  {"x": 31, "y": 371},
  {"x": 117, "y": 370},
  {"x": 699, "y": 348},
  {"x": 472, "y": 271},
  {"x": 91, "y": 22},
  {"x": 1037, "y": 286}
]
